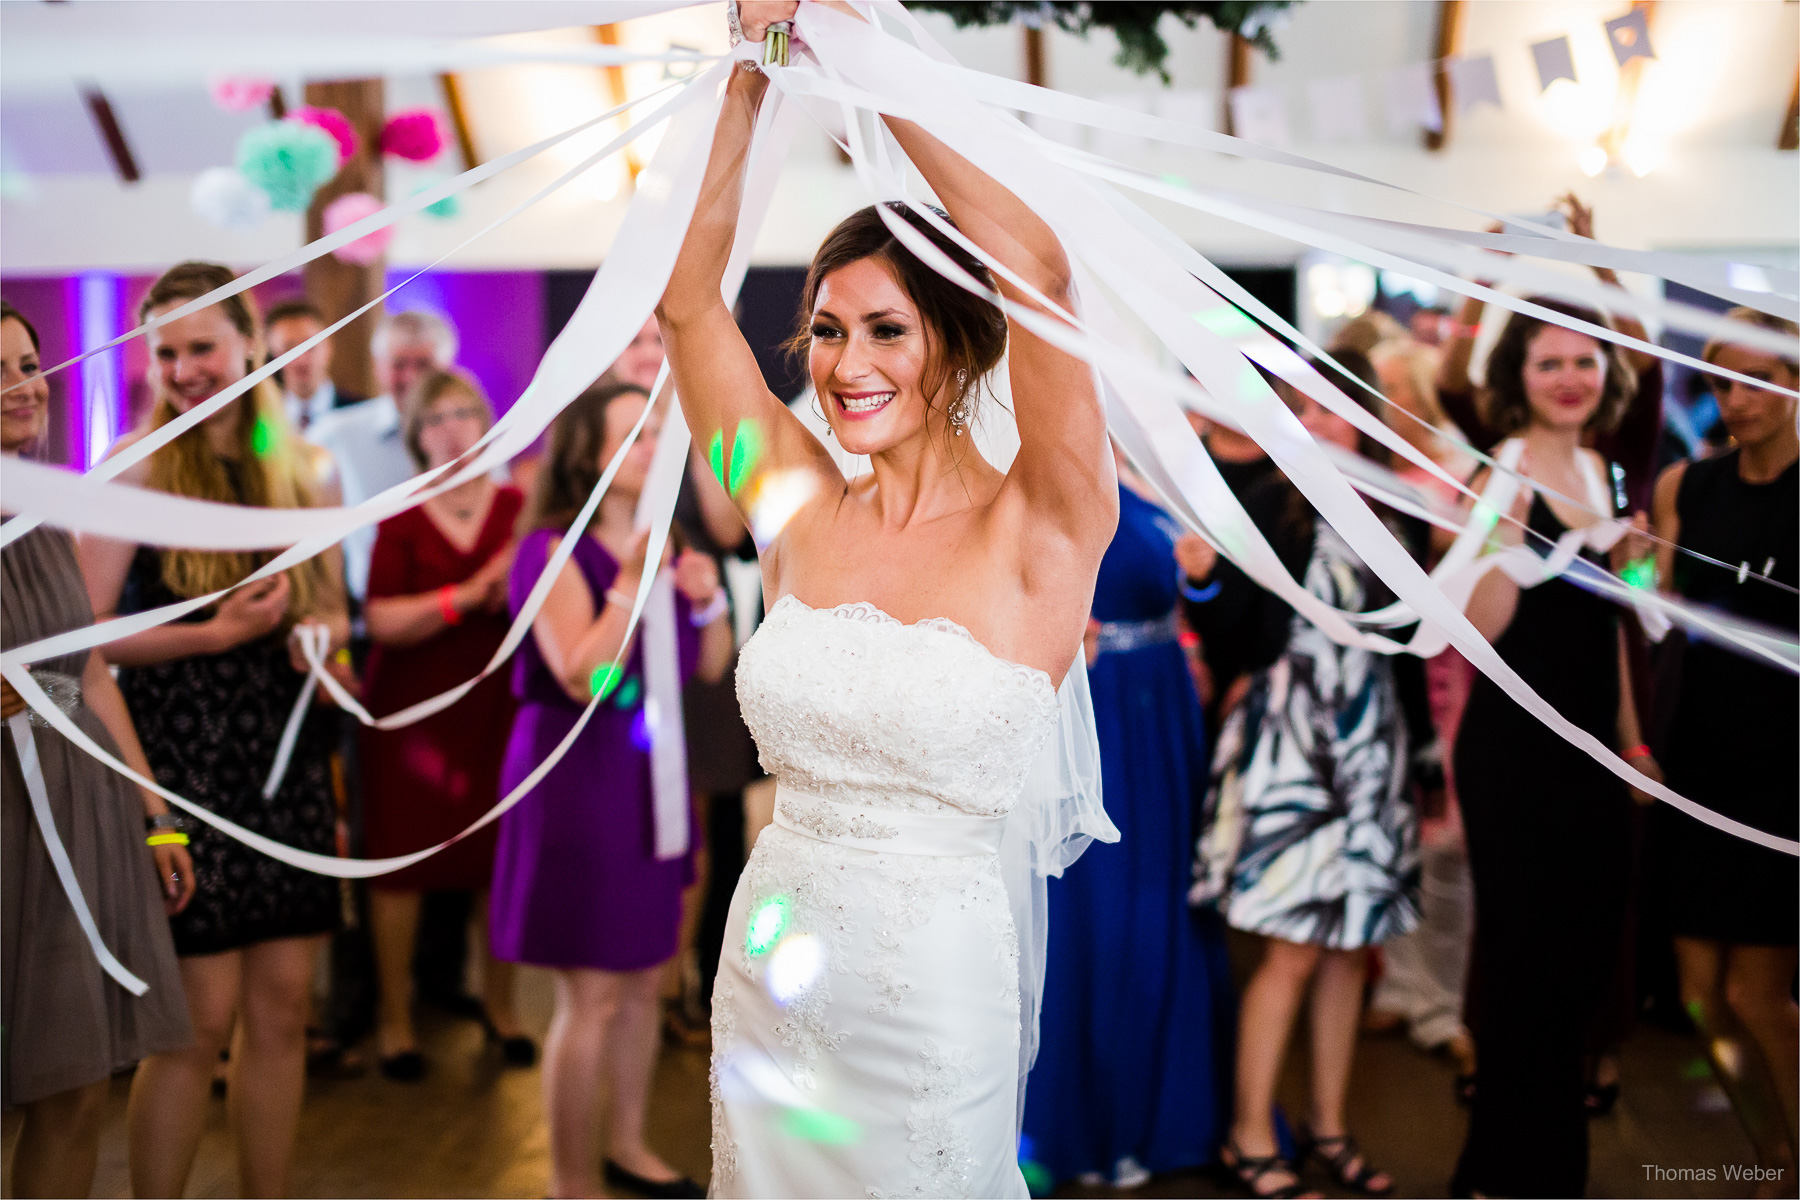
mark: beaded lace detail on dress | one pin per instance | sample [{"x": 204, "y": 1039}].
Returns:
[{"x": 853, "y": 705}]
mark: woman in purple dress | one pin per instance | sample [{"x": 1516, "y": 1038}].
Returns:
[{"x": 577, "y": 886}]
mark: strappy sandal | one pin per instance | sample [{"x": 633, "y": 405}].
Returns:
[
  {"x": 1337, "y": 1155},
  {"x": 1250, "y": 1171}
]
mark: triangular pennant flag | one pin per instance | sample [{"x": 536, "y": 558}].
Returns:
[
  {"x": 1554, "y": 61},
  {"x": 1337, "y": 109},
  {"x": 1259, "y": 115},
  {"x": 1411, "y": 100},
  {"x": 1629, "y": 36},
  {"x": 1474, "y": 81}
]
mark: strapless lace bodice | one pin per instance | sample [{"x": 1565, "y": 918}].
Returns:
[{"x": 852, "y": 705}]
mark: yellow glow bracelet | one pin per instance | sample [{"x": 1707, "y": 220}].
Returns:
[{"x": 172, "y": 838}]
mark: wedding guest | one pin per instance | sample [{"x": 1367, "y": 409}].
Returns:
[
  {"x": 365, "y": 439},
  {"x": 68, "y": 1026},
  {"x": 437, "y": 614},
  {"x": 577, "y": 887},
  {"x": 1728, "y": 743},
  {"x": 307, "y": 390},
  {"x": 1423, "y": 972},
  {"x": 210, "y": 696},
  {"x": 1549, "y": 830},
  {"x": 1133, "y": 1073},
  {"x": 1631, "y": 442},
  {"x": 1310, "y": 839}
]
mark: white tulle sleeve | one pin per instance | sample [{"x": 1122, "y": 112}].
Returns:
[{"x": 1057, "y": 815}]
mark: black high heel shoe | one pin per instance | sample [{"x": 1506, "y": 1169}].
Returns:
[
  {"x": 679, "y": 1188},
  {"x": 515, "y": 1051},
  {"x": 408, "y": 1066}
]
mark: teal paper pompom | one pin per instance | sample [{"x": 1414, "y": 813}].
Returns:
[
  {"x": 444, "y": 209},
  {"x": 290, "y": 160}
]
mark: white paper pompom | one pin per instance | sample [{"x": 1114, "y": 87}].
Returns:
[{"x": 224, "y": 197}]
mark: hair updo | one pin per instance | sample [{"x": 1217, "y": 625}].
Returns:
[{"x": 963, "y": 332}]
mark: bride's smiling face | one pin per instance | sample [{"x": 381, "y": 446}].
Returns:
[{"x": 869, "y": 358}]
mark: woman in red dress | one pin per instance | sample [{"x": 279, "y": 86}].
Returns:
[{"x": 437, "y": 613}]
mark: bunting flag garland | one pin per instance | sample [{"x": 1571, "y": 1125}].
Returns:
[
  {"x": 1473, "y": 80},
  {"x": 1554, "y": 60},
  {"x": 1629, "y": 36}
]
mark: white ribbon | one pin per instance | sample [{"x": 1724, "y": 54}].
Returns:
[
  {"x": 314, "y": 639},
  {"x": 33, "y": 770},
  {"x": 670, "y": 806}
]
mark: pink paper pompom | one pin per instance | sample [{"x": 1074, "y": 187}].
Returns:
[
  {"x": 349, "y": 209},
  {"x": 241, "y": 93},
  {"x": 416, "y": 134},
  {"x": 336, "y": 124}
]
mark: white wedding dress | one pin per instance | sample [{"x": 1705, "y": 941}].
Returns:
[{"x": 866, "y": 1015}]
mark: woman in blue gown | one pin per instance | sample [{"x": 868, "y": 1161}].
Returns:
[{"x": 1133, "y": 1072}]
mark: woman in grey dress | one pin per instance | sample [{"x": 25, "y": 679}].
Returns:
[{"x": 67, "y": 1025}]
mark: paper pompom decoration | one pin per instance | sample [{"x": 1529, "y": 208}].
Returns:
[
  {"x": 349, "y": 209},
  {"x": 241, "y": 93},
  {"x": 222, "y": 196},
  {"x": 336, "y": 124},
  {"x": 443, "y": 210},
  {"x": 289, "y": 160},
  {"x": 415, "y": 134}
]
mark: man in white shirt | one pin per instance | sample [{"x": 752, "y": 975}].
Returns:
[
  {"x": 306, "y": 382},
  {"x": 364, "y": 439}
]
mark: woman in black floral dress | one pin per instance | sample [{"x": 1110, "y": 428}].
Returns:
[{"x": 211, "y": 695}]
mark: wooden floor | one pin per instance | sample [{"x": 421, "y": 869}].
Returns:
[{"x": 475, "y": 1128}]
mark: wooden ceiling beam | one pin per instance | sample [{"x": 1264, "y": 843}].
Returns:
[{"x": 106, "y": 122}]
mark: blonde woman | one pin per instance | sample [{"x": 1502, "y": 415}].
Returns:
[{"x": 210, "y": 696}]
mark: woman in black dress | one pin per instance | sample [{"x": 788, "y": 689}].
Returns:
[
  {"x": 1548, "y": 828},
  {"x": 1729, "y": 745},
  {"x": 210, "y": 696}
]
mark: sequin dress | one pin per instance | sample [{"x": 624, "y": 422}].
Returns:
[{"x": 210, "y": 724}]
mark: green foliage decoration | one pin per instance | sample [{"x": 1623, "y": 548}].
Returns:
[{"x": 1141, "y": 47}]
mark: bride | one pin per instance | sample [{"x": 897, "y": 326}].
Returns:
[{"x": 866, "y": 1016}]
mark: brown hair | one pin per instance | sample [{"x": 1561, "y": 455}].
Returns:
[
  {"x": 963, "y": 332},
  {"x": 271, "y": 470},
  {"x": 1710, "y": 355},
  {"x": 287, "y": 310},
  {"x": 571, "y": 465},
  {"x": 1505, "y": 407},
  {"x": 8, "y": 312},
  {"x": 427, "y": 392}
]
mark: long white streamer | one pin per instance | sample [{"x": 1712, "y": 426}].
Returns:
[
  {"x": 19, "y": 724},
  {"x": 1059, "y": 198}
]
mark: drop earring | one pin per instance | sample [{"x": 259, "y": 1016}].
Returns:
[
  {"x": 958, "y": 411},
  {"x": 829, "y": 431}
]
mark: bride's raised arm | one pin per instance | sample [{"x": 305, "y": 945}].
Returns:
[{"x": 716, "y": 375}]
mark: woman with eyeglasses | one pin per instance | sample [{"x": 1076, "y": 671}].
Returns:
[{"x": 437, "y": 614}]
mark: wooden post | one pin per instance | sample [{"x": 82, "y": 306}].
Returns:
[
  {"x": 1035, "y": 72},
  {"x": 1625, "y": 104},
  {"x": 1449, "y": 44},
  {"x": 339, "y": 287},
  {"x": 1789, "y": 138},
  {"x": 1237, "y": 74},
  {"x": 608, "y": 35},
  {"x": 459, "y": 120}
]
